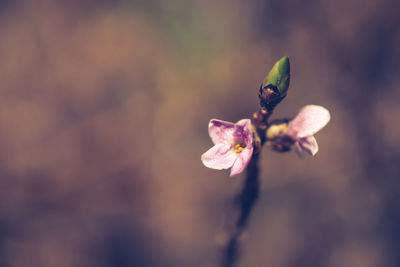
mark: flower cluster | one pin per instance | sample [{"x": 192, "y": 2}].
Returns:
[{"x": 234, "y": 142}]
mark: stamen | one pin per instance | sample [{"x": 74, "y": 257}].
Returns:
[{"x": 239, "y": 147}]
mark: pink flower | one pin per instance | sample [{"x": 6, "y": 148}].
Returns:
[
  {"x": 301, "y": 129},
  {"x": 233, "y": 145}
]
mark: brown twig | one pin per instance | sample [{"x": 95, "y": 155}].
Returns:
[{"x": 269, "y": 98}]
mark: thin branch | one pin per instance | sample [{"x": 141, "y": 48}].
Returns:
[{"x": 246, "y": 200}]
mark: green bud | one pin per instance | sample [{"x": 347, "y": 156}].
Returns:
[{"x": 279, "y": 76}]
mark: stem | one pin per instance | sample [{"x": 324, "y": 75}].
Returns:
[
  {"x": 246, "y": 200},
  {"x": 269, "y": 98}
]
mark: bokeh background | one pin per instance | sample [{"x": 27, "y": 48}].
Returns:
[{"x": 104, "y": 107}]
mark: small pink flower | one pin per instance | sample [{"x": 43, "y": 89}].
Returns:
[
  {"x": 301, "y": 129},
  {"x": 233, "y": 145}
]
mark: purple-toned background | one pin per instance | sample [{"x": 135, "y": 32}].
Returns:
[{"x": 104, "y": 107}]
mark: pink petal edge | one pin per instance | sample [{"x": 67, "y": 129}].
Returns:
[
  {"x": 310, "y": 145},
  {"x": 244, "y": 122},
  {"x": 242, "y": 161},
  {"x": 221, "y": 132},
  {"x": 219, "y": 157},
  {"x": 308, "y": 121}
]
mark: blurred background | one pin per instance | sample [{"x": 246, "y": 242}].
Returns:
[{"x": 104, "y": 107}]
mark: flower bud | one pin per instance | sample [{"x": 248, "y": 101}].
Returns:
[{"x": 279, "y": 76}]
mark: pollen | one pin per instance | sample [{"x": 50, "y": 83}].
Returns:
[{"x": 239, "y": 148}]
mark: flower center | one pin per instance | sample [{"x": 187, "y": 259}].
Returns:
[{"x": 239, "y": 147}]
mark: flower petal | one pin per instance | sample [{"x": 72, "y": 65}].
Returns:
[
  {"x": 244, "y": 123},
  {"x": 242, "y": 161},
  {"x": 221, "y": 132},
  {"x": 243, "y": 131},
  {"x": 309, "y": 144},
  {"x": 219, "y": 157},
  {"x": 299, "y": 150},
  {"x": 310, "y": 120}
]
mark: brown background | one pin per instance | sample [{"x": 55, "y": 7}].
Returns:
[{"x": 104, "y": 108}]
